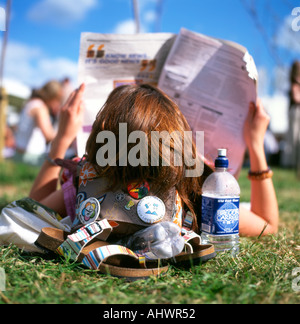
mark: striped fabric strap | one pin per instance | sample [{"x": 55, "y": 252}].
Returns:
[
  {"x": 142, "y": 261},
  {"x": 146, "y": 255},
  {"x": 97, "y": 256},
  {"x": 75, "y": 242}
]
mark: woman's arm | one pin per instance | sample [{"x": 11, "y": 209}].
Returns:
[
  {"x": 70, "y": 121},
  {"x": 264, "y": 206}
]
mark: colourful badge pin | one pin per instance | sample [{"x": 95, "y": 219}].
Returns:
[
  {"x": 89, "y": 211},
  {"x": 151, "y": 210},
  {"x": 138, "y": 190},
  {"x": 129, "y": 205}
]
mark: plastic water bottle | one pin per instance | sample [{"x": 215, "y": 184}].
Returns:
[{"x": 220, "y": 207}]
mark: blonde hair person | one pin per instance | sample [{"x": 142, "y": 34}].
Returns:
[{"x": 35, "y": 128}]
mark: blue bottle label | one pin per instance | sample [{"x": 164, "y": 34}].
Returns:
[{"x": 220, "y": 216}]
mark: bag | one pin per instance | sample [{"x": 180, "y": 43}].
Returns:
[{"x": 22, "y": 221}]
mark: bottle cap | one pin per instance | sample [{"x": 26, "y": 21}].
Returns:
[
  {"x": 222, "y": 152},
  {"x": 221, "y": 161}
]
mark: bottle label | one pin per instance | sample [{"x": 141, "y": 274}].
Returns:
[{"x": 220, "y": 216}]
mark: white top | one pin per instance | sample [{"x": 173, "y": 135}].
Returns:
[{"x": 29, "y": 137}]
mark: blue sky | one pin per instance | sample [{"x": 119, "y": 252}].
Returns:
[{"x": 44, "y": 34}]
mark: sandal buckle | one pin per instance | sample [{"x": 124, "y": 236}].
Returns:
[{"x": 93, "y": 228}]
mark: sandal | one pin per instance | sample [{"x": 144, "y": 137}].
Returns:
[
  {"x": 87, "y": 245},
  {"x": 194, "y": 252}
]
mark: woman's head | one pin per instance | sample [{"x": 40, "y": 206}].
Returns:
[
  {"x": 51, "y": 93},
  {"x": 148, "y": 110}
]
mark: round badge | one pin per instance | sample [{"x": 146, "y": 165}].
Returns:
[
  {"x": 89, "y": 211},
  {"x": 151, "y": 210},
  {"x": 119, "y": 196},
  {"x": 138, "y": 190}
]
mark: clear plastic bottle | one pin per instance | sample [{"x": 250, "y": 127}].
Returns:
[
  {"x": 159, "y": 241},
  {"x": 220, "y": 207}
]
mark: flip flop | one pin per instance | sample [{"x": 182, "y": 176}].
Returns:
[
  {"x": 87, "y": 245},
  {"x": 194, "y": 252}
]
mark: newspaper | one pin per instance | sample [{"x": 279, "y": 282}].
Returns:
[
  {"x": 107, "y": 61},
  {"x": 213, "y": 82}
]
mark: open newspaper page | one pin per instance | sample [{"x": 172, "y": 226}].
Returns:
[
  {"x": 109, "y": 60},
  {"x": 213, "y": 83}
]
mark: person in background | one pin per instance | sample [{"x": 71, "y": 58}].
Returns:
[
  {"x": 35, "y": 129},
  {"x": 291, "y": 156}
]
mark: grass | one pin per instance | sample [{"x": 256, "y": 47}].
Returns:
[{"x": 261, "y": 274}]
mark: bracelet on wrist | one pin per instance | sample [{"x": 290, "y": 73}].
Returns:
[
  {"x": 260, "y": 175},
  {"x": 51, "y": 161}
]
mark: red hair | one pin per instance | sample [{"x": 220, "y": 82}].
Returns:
[{"x": 147, "y": 109}]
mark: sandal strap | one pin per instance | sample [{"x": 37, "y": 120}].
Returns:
[
  {"x": 191, "y": 239},
  {"x": 94, "y": 259},
  {"x": 142, "y": 261},
  {"x": 75, "y": 242}
]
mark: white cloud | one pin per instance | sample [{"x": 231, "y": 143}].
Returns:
[
  {"x": 58, "y": 68},
  {"x": 147, "y": 17},
  {"x": 277, "y": 108},
  {"x": 61, "y": 12},
  {"x": 150, "y": 16},
  {"x": 20, "y": 61},
  {"x": 16, "y": 88},
  {"x": 129, "y": 26},
  {"x": 31, "y": 67},
  {"x": 125, "y": 27}
]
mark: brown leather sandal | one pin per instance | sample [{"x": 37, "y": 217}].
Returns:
[{"x": 87, "y": 245}]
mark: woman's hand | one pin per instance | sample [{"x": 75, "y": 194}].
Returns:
[
  {"x": 256, "y": 126},
  {"x": 70, "y": 121}
]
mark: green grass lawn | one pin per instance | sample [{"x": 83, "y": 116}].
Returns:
[{"x": 262, "y": 273}]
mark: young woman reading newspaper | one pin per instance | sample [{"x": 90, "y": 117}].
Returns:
[{"x": 263, "y": 215}]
